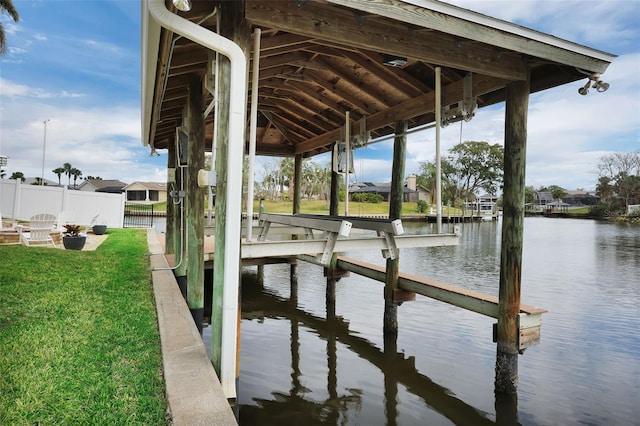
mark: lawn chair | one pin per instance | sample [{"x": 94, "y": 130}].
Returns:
[{"x": 39, "y": 230}]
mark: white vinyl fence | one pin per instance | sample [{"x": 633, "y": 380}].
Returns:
[{"x": 20, "y": 202}]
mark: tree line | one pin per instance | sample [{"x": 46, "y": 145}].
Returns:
[{"x": 66, "y": 169}]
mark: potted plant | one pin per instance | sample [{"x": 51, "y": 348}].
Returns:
[
  {"x": 72, "y": 239},
  {"x": 99, "y": 228}
]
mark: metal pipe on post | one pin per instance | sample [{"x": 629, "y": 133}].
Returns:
[
  {"x": 517, "y": 102},
  {"x": 438, "y": 113},
  {"x": 252, "y": 130},
  {"x": 216, "y": 114},
  {"x": 228, "y": 260}
]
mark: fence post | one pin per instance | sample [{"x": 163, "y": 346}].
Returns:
[{"x": 16, "y": 200}]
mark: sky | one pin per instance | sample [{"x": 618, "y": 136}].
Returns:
[{"x": 76, "y": 63}]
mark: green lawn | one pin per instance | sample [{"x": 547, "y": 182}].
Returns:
[
  {"x": 79, "y": 341},
  {"x": 322, "y": 207}
]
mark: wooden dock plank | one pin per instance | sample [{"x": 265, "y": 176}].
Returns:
[{"x": 468, "y": 299}]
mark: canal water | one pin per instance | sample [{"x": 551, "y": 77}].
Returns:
[{"x": 304, "y": 362}]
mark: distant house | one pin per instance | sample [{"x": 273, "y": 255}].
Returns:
[
  {"x": 543, "y": 198},
  {"x": 382, "y": 189},
  {"x": 483, "y": 205},
  {"x": 423, "y": 193},
  {"x": 111, "y": 186},
  {"x": 146, "y": 192},
  {"x": 581, "y": 198}
]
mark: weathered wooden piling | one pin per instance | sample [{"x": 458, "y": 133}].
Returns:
[
  {"x": 395, "y": 212},
  {"x": 195, "y": 203},
  {"x": 334, "y": 197},
  {"x": 297, "y": 196},
  {"x": 234, "y": 27},
  {"x": 512, "y": 235}
]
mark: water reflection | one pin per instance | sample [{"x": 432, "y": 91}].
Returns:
[
  {"x": 312, "y": 359},
  {"x": 343, "y": 406}
]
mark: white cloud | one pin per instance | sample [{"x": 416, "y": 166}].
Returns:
[{"x": 13, "y": 90}]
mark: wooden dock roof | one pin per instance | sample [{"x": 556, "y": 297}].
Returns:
[{"x": 321, "y": 58}]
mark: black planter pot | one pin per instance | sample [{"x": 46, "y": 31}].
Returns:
[
  {"x": 74, "y": 243},
  {"x": 99, "y": 229}
]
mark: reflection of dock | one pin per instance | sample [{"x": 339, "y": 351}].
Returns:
[{"x": 257, "y": 303}]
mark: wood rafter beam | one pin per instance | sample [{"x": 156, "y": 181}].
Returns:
[
  {"x": 301, "y": 113},
  {"x": 378, "y": 101},
  {"x": 346, "y": 97},
  {"x": 420, "y": 105},
  {"x": 432, "y": 19},
  {"x": 318, "y": 96},
  {"x": 386, "y": 75},
  {"x": 319, "y": 21}
]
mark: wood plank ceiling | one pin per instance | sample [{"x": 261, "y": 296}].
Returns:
[{"x": 319, "y": 60}]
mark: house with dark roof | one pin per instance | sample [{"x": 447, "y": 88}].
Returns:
[
  {"x": 382, "y": 189},
  {"x": 581, "y": 198},
  {"x": 146, "y": 192},
  {"x": 111, "y": 186},
  {"x": 543, "y": 198}
]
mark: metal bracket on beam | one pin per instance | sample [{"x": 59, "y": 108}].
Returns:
[{"x": 528, "y": 330}]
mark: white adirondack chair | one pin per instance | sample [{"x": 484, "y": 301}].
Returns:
[{"x": 39, "y": 230}]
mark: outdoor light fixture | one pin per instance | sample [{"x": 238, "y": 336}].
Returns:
[
  {"x": 594, "y": 82},
  {"x": 394, "y": 61},
  {"x": 182, "y": 5}
]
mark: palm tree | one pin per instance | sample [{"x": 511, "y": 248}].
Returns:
[
  {"x": 6, "y": 6},
  {"x": 58, "y": 171},
  {"x": 76, "y": 174},
  {"x": 67, "y": 169}
]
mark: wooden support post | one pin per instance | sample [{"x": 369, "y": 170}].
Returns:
[
  {"x": 506, "y": 406},
  {"x": 297, "y": 183},
  {"x": 234, "y": 27},
  {"x": 396, "y": 197},
  {"x": 334, "y": 197},
  {"x": 195, "y": 203},
  {"x": 260, "y": 275},
  {"x": 391, "y": 366},
  {"x": 330, "y": 293},
  {"x": 332, "y": 355},
  {"x": 297, "y": 195},
  {"x": 506, "y": 380}
]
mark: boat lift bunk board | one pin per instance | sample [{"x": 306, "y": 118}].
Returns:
[{"x": 338, "y": 238}]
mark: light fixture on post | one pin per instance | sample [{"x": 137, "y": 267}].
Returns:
[
  {"x": 44, "y": 148},
  {"x": 594, "y": 82},
  {"x": 182, "y": 5},
  {"x": 601, "y": 86}
]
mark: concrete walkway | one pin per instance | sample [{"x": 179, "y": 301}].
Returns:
[{"x": 194, "y": 393}]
